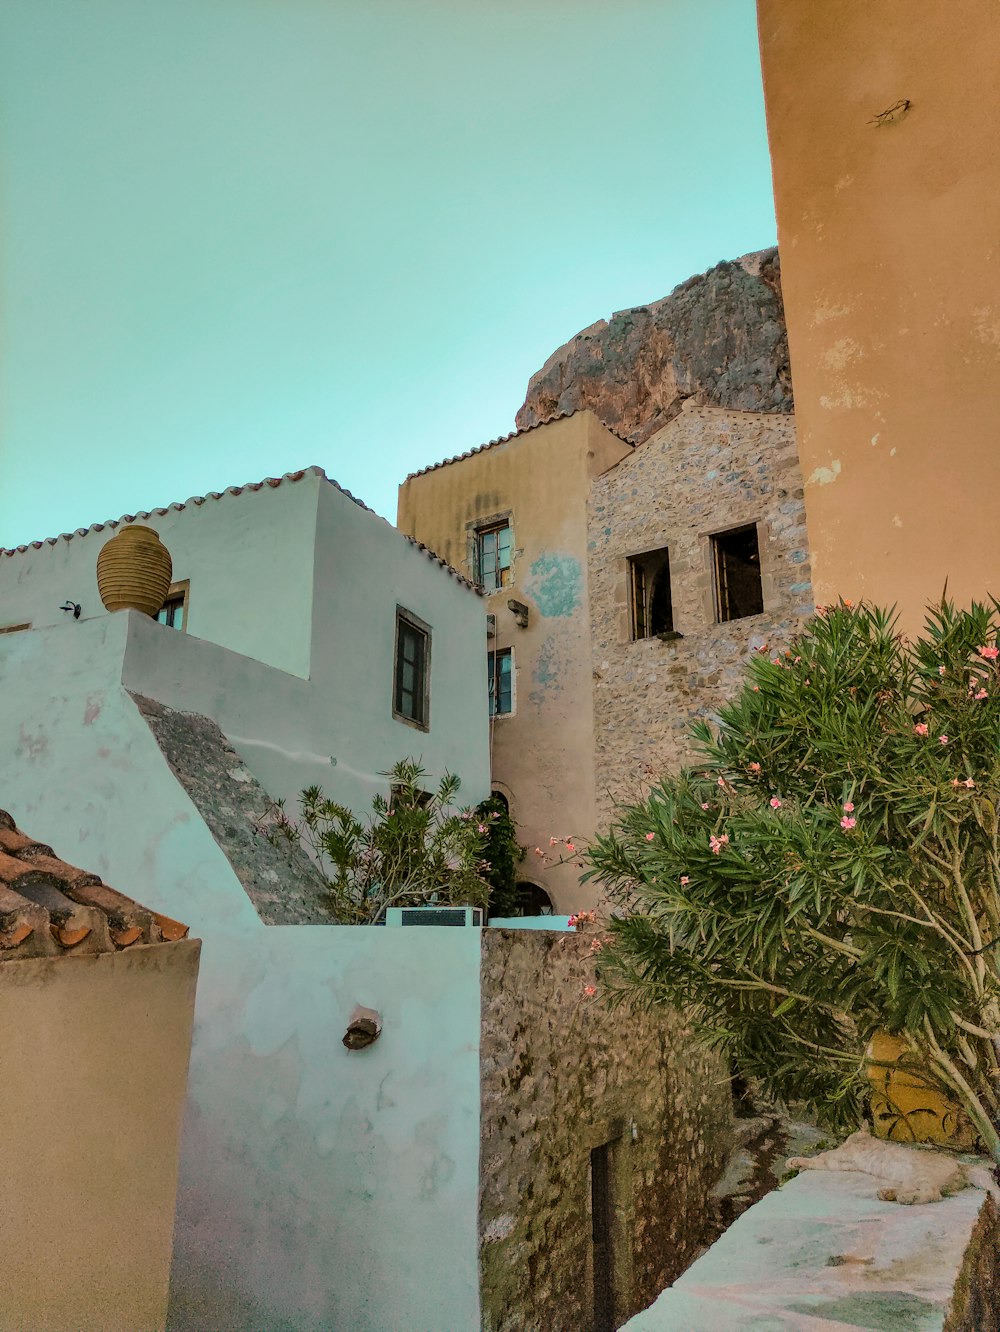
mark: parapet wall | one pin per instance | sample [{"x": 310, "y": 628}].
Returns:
[{"x": 563, "y": 1075}]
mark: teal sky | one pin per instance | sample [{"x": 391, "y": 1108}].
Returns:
[{"x": 244, "y": 236}]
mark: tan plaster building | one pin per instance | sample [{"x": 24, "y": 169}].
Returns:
[
  {"x": 627, "y": 590},
  {"x": 882, "y": 122},
  {"x": 97, "y": 1004},
  {"x": 513, "y": 515}
]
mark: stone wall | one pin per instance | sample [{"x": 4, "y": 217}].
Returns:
[
  {"x": 708, "y": 471},
  {"x": 561, "y": 1075}
]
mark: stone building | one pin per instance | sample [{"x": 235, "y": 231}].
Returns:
[
  {"x": 638, "y": 579},
  {"x": 697, "y": 555}
]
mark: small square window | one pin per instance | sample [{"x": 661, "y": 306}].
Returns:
[
  {"x": 492, "y": 555},
  {"x": 173, "y": 612},
  {"x": 411, "y": 693},
  {"x": 738, "y": 588},
  {"x": 500, "y": 666},
  {"x": 651, "y": 610}
]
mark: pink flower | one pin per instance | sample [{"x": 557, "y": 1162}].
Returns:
[
  {"x": 650, "y": 836},
  {"x": 980, "y": 694},
  {"x": 705, "y": 806},
  {"x": 571, "y": 922},
  {"x": 685, "y": 879},
  {"x": 756, "y": 689},
  {"x": 590, "y": 991},
  {"x": 539, "y": 851},
  {"x": 990, "y": 653},
  {"x": 755, "y": 767},
  {"x": 847, "y": 823},
  {"x": 920, "y": 728},
  {"x": 941, "y": 670},
  {"x": 717, "y": 843},
  {"x": 596, "y": 945},
  {"x": 942, "y": 739},
  {"x": 807, "y": 681},
  {"x": 721, "y": 781},
  {"x": 481, "y": 827},
  {"x": 969, "y": 783},
  {"x": 775, "y": 802},
  {"x": 849, "y": 807},
  {"x": 570, "y": 847},
  {"x": 553, "y": 841}
]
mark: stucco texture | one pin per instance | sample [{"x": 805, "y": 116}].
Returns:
[
  {"x": 92, "y": 1087},
  {"x": 706, "y": 472},
  {"x": 891, "y": 279},
  {"x": 542, "y": 753},
  {"x": 561, "y": 1075},
  {"x": 318, "y": 1188}
]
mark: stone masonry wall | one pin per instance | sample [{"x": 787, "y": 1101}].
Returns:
[
  {"x": 708, "y": 471},
  {"x": 561, "y": 1075}
]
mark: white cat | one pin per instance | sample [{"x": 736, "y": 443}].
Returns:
[{"x": 907, "y": 1174}]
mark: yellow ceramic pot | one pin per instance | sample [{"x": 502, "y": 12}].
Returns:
[
  {"x": 904, "y": 1106},
  {"x": 134, "y": 570}
]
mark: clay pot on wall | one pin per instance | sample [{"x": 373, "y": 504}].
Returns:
[
  {"x": 905, "y": 1107},
  {"x": 134, "y": 571}
]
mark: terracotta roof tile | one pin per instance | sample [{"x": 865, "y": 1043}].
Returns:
[
  {"x": 505, "y": 439},
  {"x": 197, "y": 500},
  {"x": 49, "y": 907}
]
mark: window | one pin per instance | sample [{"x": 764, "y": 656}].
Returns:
[
  {"x": 738, "y": 589},
  {"x": 492, "y": 555},
  {"x": 173, "y": 612},
  {"x": 501, "y": 680},
  {"x": 651, "y": 610},
  {"x": 411, "y": 695}
]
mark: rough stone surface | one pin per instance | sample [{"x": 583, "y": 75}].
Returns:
[
  {"x": 708, "y": 471},
  {"x": 561, "y": 1075},
  {"x": 823, "y": 1253},
  {"x": 719, "y": 338},
  {"x": 281, "y": 882}
]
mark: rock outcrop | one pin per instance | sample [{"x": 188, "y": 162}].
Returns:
[{"x": 719, "y": 337}]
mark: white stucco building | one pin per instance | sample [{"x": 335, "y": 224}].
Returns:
[{"x": 149, "y": 753}]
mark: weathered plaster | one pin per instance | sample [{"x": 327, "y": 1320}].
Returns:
[
  {"x": 891, "y": 282},
  {"x": 542, "y": 753},
  {"x": 822, "y": 1252}
]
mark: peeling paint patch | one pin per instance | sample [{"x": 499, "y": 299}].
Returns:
[
  {"x": 545, "y": 674},
  {"x": 555, "y": 585},
  {"x": 93, "y": 709},
  {"x": 827, "y": 310},
  {"x": 897, "y": 521},
  {"x": 987, "y": 325},
  {"x": 822, "y": 476},
  {"x": 875, "y": 438},
  {"x": 842, "y": 353}
]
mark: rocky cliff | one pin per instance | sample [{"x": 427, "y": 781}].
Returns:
[{"x": 719, "y": 337}]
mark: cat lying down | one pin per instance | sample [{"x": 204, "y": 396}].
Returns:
[{"x": 907, "y": 1174}]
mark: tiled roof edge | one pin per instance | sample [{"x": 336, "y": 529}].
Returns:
[
  {"x": 514, "y": 434},
  {"x": 271, "y": 481}
]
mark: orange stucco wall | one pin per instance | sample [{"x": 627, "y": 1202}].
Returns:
[
  {"x": 543, "y": 753},
  {"x": 92, "y": 1084},
  {"x": 890, "y": 253}
]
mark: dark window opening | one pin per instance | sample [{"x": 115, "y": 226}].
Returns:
[
  {"x": 651, "y": 607},
  {"x": 602, "y": 1211},
  {"x": 400, "y": 800},
  {"x": 410, "y": 695},
  {"x": 492, "y": 556},
  {"x": 501, "y": 799},
  {"x": 500, "y": 667},
  {"x": 738, "y": 588},
  {"x": 533, "y": 901}
]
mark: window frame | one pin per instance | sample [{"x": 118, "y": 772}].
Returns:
[
  {"x": 179, "y": 591},
  {"x": 407, "y": 621},
  {"x": 720, "y": 574},
  {"x": 642, "y": 584},
  {"x": 493, "y": 676},
  {"x": 491, "y": 527}
]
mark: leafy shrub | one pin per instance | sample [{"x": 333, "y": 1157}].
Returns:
[{"x": 832, "y": 867}]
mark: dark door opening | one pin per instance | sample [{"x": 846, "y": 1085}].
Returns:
[{"x": 601, "y": 1210}]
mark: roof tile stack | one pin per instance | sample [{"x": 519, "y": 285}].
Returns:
[{"x": 48, "y": 907}]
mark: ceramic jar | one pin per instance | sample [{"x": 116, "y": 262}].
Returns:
[{"x": 134, "y": 570}]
